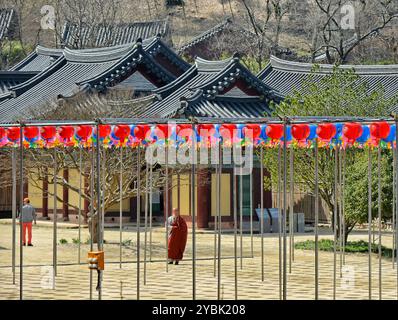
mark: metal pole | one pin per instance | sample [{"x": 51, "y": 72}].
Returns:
[
  {"x": 284, "y": 211},
  {"x": 316, "y": 220},
  {"x": 241, "y": 217},
  {"x": 21, "y": 181},
  {"x": 335, "y": 221},
  {"x": 80, "y": 207},
  {"x": 55, "y": 217},
  {"x": 166, "y": 208},
  {"x": 340, "y": 214},
  {"x": 280, "y": 220},
  {"x": 100, "y": 244},
  {"x": 393, "y": 206},
  {"x": 216, "y": 221},
  {"x": 92, "y": 214},
  {"x": 14, "y": 210},
  {"x": 370, "y": 222},
  {"x": 262, "y": 210},
  {"x": 150, "y": 211},
  {"x": 219, "y": 175},
  {"x": 379, "y": 215},
  {"x": 396, "y": 195},
  {"x": 251, "y": 214},
  {"x": 193, "y": 209},
  {"x": 343, "y": 203},
  {"x": 146, "y": 221},
  {"x": 291, "y": 218},
  {"x": 121, "y": 209},
  {"x": 138, "y": 218},
  {"x": 235, "y": 232}
]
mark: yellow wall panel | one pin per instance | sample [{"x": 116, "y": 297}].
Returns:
[{"x": 225, "y": 195}]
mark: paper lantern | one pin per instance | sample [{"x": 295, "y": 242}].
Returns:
[
  {"x": 326, "y": 131},
  {"x": 275, "y": 131},
  {"x": 228, "y": 131},
  {"x": 352, "y": 131},
  {"x": 379, "y": 130},
  {"x": 184, "y": 131},
  {"x": 365, "y": 135},
  {"x": 104, "y": 130},
  {"x": 391, "y": 135},
  {"x": 141, "y": 131},
  {"x": 300, "y": 132},
  {"x": 31, "y": 133},
  {"x": 83, "y": 132},
  {"x": 252, "y": 131},
  {"x": 163, "y": 131},
  {"x": 66, "y": 132},
  {"x": 13, "y": 134},
  {"x": 2, "y": 133},
  {"x": 339, "y": 130},
  {"x": 48, "y": 132},
  {"x": 121, "y": 132},
  {"x": 206, "y": 130}
]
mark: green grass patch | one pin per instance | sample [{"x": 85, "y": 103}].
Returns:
[
  {"x": 351, "y": 247},
  {"x": 63, "y": 241}
]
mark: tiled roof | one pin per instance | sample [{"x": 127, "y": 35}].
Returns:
[
  {"x": 202, "y": 91},
  {"x": 111, "y": 35},
  {"x": 40, "y": 59},
  {"x": 89, "y": 69},
  {"x": 7, "y": 22},
  {"x": 12, "y": 78},
  {"x": 287, "y": 76}
]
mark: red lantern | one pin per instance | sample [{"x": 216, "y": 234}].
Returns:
[
  {"x": 2, "y": 133},
  {"x": 184, "y": 131},
  {"x": 13, "y": 133},
  {"x": 227, "y": 131},
  {"x": 30, "y": 132},
  {"x": 84, "y": 132},
  {"x": 48, "y": 132},
  {"x": 352, "y": 131},
  {"x": 274, "y": 131},
  {"x": 122, "y": 132},
  {"x": 141, "y": 131},
  {"x": 326, "y": 131},
  {"x": 104, "y": 130},
  {"x": 379, "y": 130},
  {"x": 206, "y": 130},
  {"x": 163, "y": 131},
  {"x": 252, "y": 131},
  {"x": 300, "y": 132},
  {"x": 66, "y": 132}
]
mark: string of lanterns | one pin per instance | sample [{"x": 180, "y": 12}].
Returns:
[{"x": 350, "y": 134}]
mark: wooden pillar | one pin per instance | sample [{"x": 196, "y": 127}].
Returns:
[
  {"x": 45, "y": 195},
  {"x": 65, "y": 197},
  {"x": 204, "y": 197}
]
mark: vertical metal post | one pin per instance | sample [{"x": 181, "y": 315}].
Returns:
[
  {"x": 80, "y": 206},
  {"x": 166, "y": 207},
  {"x": 394, "y": 167},
  {"x": 284, "y": 211},
  {"x": 150, "y": 211},
  {"x": 370, "y": 222},
  {"x": 340, "y": 214},
  {"x": 280, "y": 220},
  {"x": 316, "y": 220},
  {"x": 146, "y": 221},
  {"x": 121, "y": 209},
  {"x": 193, "y": 209},
  {"x": 241, "y": 216},
  {"x": 335, "y": 220},
  {"x": 379, "y": 216},
  {"x": 251, "y": 213},
  {"x": 55, "y": 217},
  {"x": 138, "y": 218},
  {"x": 219, "y": 172},
  {"x": 103, "y": 194},
  {"x": 216, "y": 221},
  {"x": 92, "y": 213},
  {"x": 234, "y": 186},
  {"x": 291, "y": 218},
  {"x": 100, "y": 244},
  {"x": 343, "y": 202},
  {"x": 262, "y": 210},
  {"x": 14, "y": 210},
  {"x": 21, "y": 181},
  {"x": 396, "y": 195}
]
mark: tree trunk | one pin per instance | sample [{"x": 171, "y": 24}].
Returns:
[{"x": 93, "y": 227}]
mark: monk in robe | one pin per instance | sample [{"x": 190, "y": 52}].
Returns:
[{"x": 178, "y": 234}]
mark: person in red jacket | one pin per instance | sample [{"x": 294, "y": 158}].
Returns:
[{"x": 178, "y": 234}]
